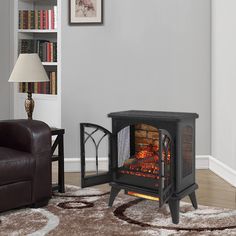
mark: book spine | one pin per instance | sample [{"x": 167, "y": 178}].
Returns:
[
  {"x": 35, "y": 19},
  {"x": 45, "y": 51},
  {"x": 20, "y": 87},
  {"x": 40, "y": 87},
  {"x": 32, "y": 20},
  {"x": 50, "y": 19},
  {"x": 26, "y": 87},
  {"x": 32, "y": 87},
  {"x": 54, "y": 83},
  {"x": 29, "y": 87},
  {"x": 20, "y": 20},
  {"x": 29, "y": 20},
  {"x": 48, "y": 52},
  {"x": 23, "y": 87},
  {"x": 51, "y": 50},
  {"x": 30, "y": 46},
  {"x": 41, "y": 19},
  {"x": 25, "y": 19},
  {"x": 55, "y": 17},
  {"x": 35, "y": 46},
  {"x": 19, "y": 46},
  {"x": 46, "y": 20},
  {"x": 50, "y": 82},
  {"x": 41, "y": 50},
  {"x": 36, "y": 87},
  {"x": 44, "y": 87},
  {"x": 47, "y": 87},
  {"x": 23, "y": 46},
  {"x": 24, "y": 43},
  {"x": 55, "y": 45}
]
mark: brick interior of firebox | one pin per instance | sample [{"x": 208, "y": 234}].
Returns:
[
  {"x": 145, "y": 135},
  {"x": 145, "y": 161}
]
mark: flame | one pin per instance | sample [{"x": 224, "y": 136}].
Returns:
[
  {"x": 145, "y": 162},
  {"x": 144, "y": 154},
  {"x": 143, "y": 196},
  {"x": 141, "y": 174}
]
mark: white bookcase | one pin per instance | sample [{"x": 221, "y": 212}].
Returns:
[{"x": 47, "y": 106}]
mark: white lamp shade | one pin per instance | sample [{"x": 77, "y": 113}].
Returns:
[{"x": 28, "y": 68}]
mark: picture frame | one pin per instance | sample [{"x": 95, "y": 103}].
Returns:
[{"x": 85, "y": 11}]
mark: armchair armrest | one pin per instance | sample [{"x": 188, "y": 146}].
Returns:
[{"x": 25, "y": 135}]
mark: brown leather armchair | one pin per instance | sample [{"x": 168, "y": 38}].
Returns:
[{"x": 25, "y": 164}]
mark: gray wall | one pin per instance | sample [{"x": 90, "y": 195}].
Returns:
[
  {"x": 153, "y": 56},
  {"x": 4, "y": 59},
  {"x": 223, "y": 81}
]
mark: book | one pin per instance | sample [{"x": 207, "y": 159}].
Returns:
[
  {"x": 38, "y": 19},
  {"x": 55, "y": 17},
  {"x": 41, "y": 19},
  {"x": 36, "y": 87},
  {"x": 47, "y": 50},
  {"x": 41, "y": 87},
  {"x": 32, "y": 19},
  {"x": 53, "y": 81},
  {"x": 50, "y": 19},
  {"x": 46, "y": 20},
  {"x": 51, "y": 50},
  {"x": 21, "y": 17},
  {"x": 25, "y": 19}
]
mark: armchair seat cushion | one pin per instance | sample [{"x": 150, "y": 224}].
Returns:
[{"x": 15, "y": 166}]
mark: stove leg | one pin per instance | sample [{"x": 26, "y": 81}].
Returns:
[
  {"x": 174, "y": 210},
  {"x": 113, "y": 194},
  {"x": 193, "y": 199}
]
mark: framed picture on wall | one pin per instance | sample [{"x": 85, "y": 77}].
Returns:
[{"x": 86, "y": 11}]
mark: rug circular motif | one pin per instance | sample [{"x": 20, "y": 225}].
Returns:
[
  {"x": 75, "y": 204},
  {"x": 86, "y": 212},
  {"x": 144, "y": 214}
]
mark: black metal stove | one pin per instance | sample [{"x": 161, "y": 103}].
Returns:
[{"x": 150, "y": 155}]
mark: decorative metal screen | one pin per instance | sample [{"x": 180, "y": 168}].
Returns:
[{"x": 95, "y": 154}]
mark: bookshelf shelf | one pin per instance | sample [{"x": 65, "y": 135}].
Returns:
[
  {"x": 37, "y": 29},
  {"x": 50, "y": 63},
  {"x": 41, "y": 1}
]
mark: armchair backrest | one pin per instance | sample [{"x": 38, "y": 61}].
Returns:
[{"x": 31, "y": 136}]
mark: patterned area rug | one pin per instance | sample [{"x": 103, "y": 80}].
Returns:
[{"x": 85, "y": 212}]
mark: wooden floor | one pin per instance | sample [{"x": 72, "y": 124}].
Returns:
[{"x": 213, "y": 191}]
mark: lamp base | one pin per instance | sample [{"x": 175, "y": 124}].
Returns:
[{"x": 29, "y": 105}]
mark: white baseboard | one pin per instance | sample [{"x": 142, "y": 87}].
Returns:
[
  {"x": 222, "y": 170},
  {"x": 73, "y": 164},
  {"x": 202, "y": 162}
]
